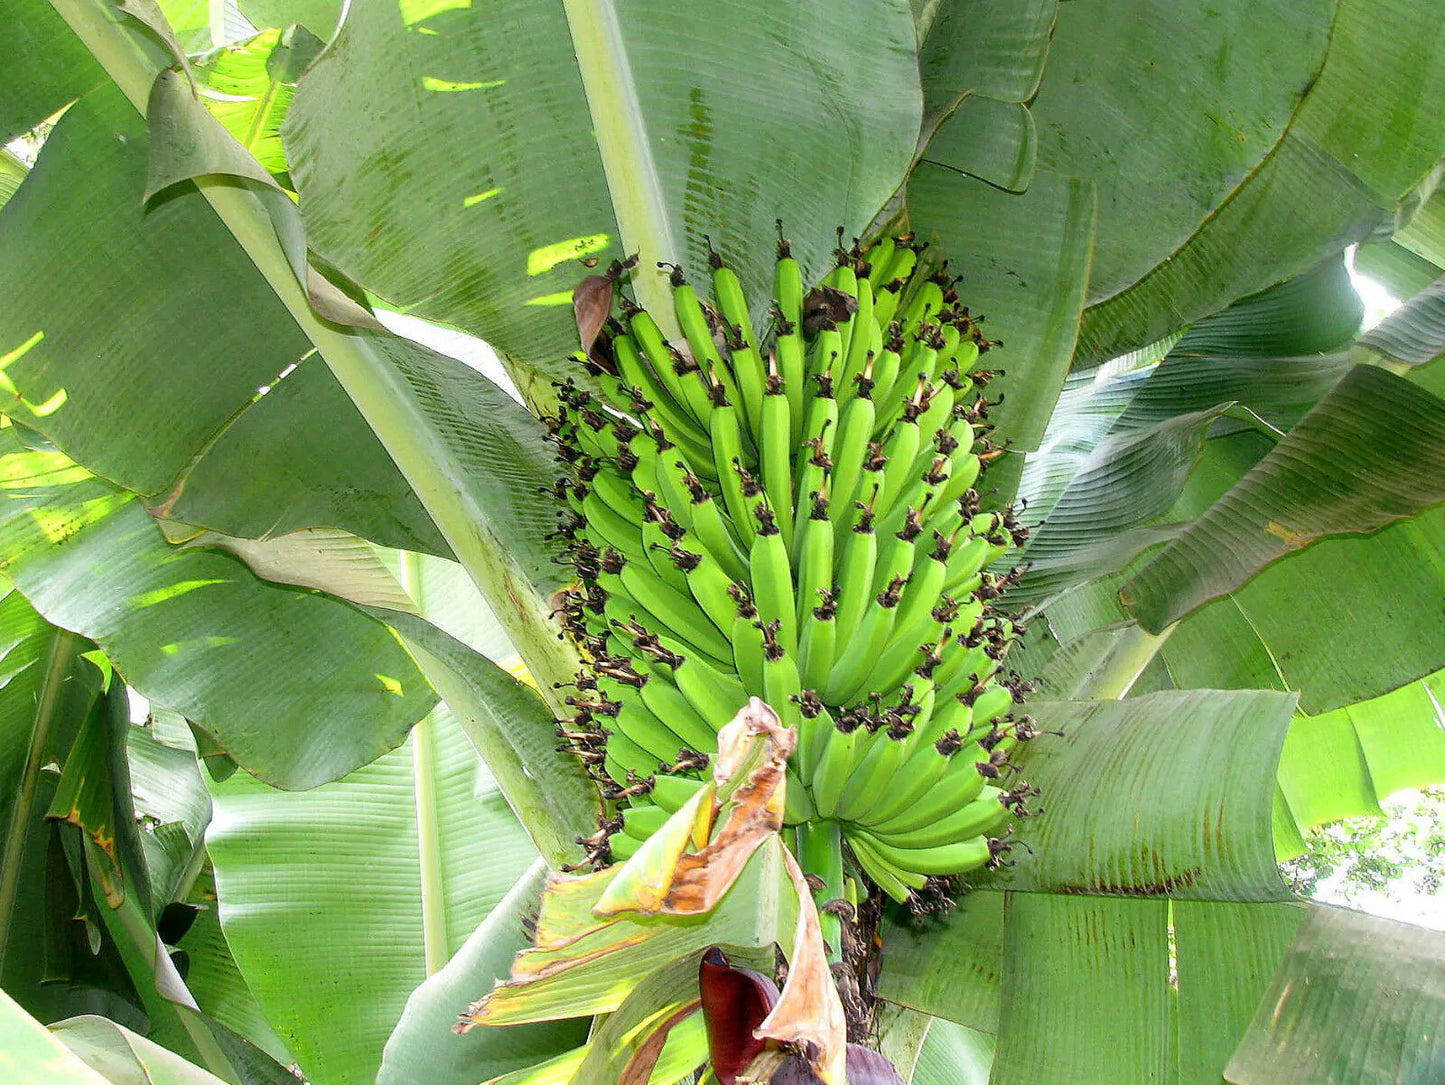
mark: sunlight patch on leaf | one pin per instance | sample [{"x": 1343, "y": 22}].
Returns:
[
  {"x": 549, "y": 256},
  {"x": 50, "y": 406},
  {"x": 472, "y": 201},
  {"x": 44, "y": 468},
  {"x": 60, "y": 525},
  {"x": 563, "y": 297},
  {"x": 448, "y": 86},
  {"x": 18, "y": 352},
  {"x": 414, "y": 11},
  {"x": 171, "y": 591}
]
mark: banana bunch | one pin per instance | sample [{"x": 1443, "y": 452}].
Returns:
[{"x": 796, "y": 516}]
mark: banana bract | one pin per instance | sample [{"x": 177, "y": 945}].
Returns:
[{"x": 794, "y": 515}]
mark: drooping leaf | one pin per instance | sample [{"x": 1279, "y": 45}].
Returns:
[
  {"x": 992, "y": 140},
  {"x": 1415, "y": 333},
  {"x": 260, "y": 476},
  {"x": 515, "y": 733},
  {"x": 1350, "y": 155},
  {"x": 1289, "y": 626},
  {"x": 446, "y": 595},
  {"x": 1357, "y": 998},
  {"x": 1345, "y": 762},
  {"x": 1336, "y": 472},
  {"x": 199, "y": 632},
  {"x": 329, "y": 561},
  {"x": 1097, "y": 523},
  {"x": 1143, "y": 416},
  {"x": 975, "y": 47},
  {"x": 136, "y": 386},
  {"x": 1188, "y": 780}
]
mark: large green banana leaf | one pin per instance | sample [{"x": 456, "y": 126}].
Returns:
[
  {"x": 329, "y": 897},
  {"x": 197, "y": 631}
]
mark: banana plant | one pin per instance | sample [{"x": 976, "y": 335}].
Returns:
[{"x": 1219, "y": 492}]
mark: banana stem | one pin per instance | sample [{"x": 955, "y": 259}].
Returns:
[
  {"x": 424, "y": 792},
  {"x": 1117, "y": 672},
  {"x": 627, "y": 159},
  {"x": 820, "y": 852}
]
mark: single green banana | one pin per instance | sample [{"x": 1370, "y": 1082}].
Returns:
[
  {"x": 747, "y": 643},
  {"x": 667, "y": 703},
  {"x": 648, "y": 336},
  {"x": 714, "y": 534},
  {"x": 831, "y": 771},
  {"x": 727, "y": 452},
  {"x": 640, "y": 822},
  {"x": 623, "y": 847},
  {"x": 817, "y": 642},
  {"x": 957, "y": 857},
  {"x": 855, "y": 573},
  {"x": 855, "y": 430},
  {"x": 624, "y": 756},
  {"x": 677, "y": 611},
  {"x": 788, "y": 282},
  {"x": 777, "y": 455},
  {"x": 820, "y": 853},
  {"x": 643, "y": 726},
  {"x": 893, "y": 880},
  {"x": 984, "y": 815},
  {"x": 672, "y": 793},
  {"x": 813, "y": 556},
  {"x": 772, "y": 582}
]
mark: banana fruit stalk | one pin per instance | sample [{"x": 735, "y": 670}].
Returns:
[{"x": 789, "y": 510}]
